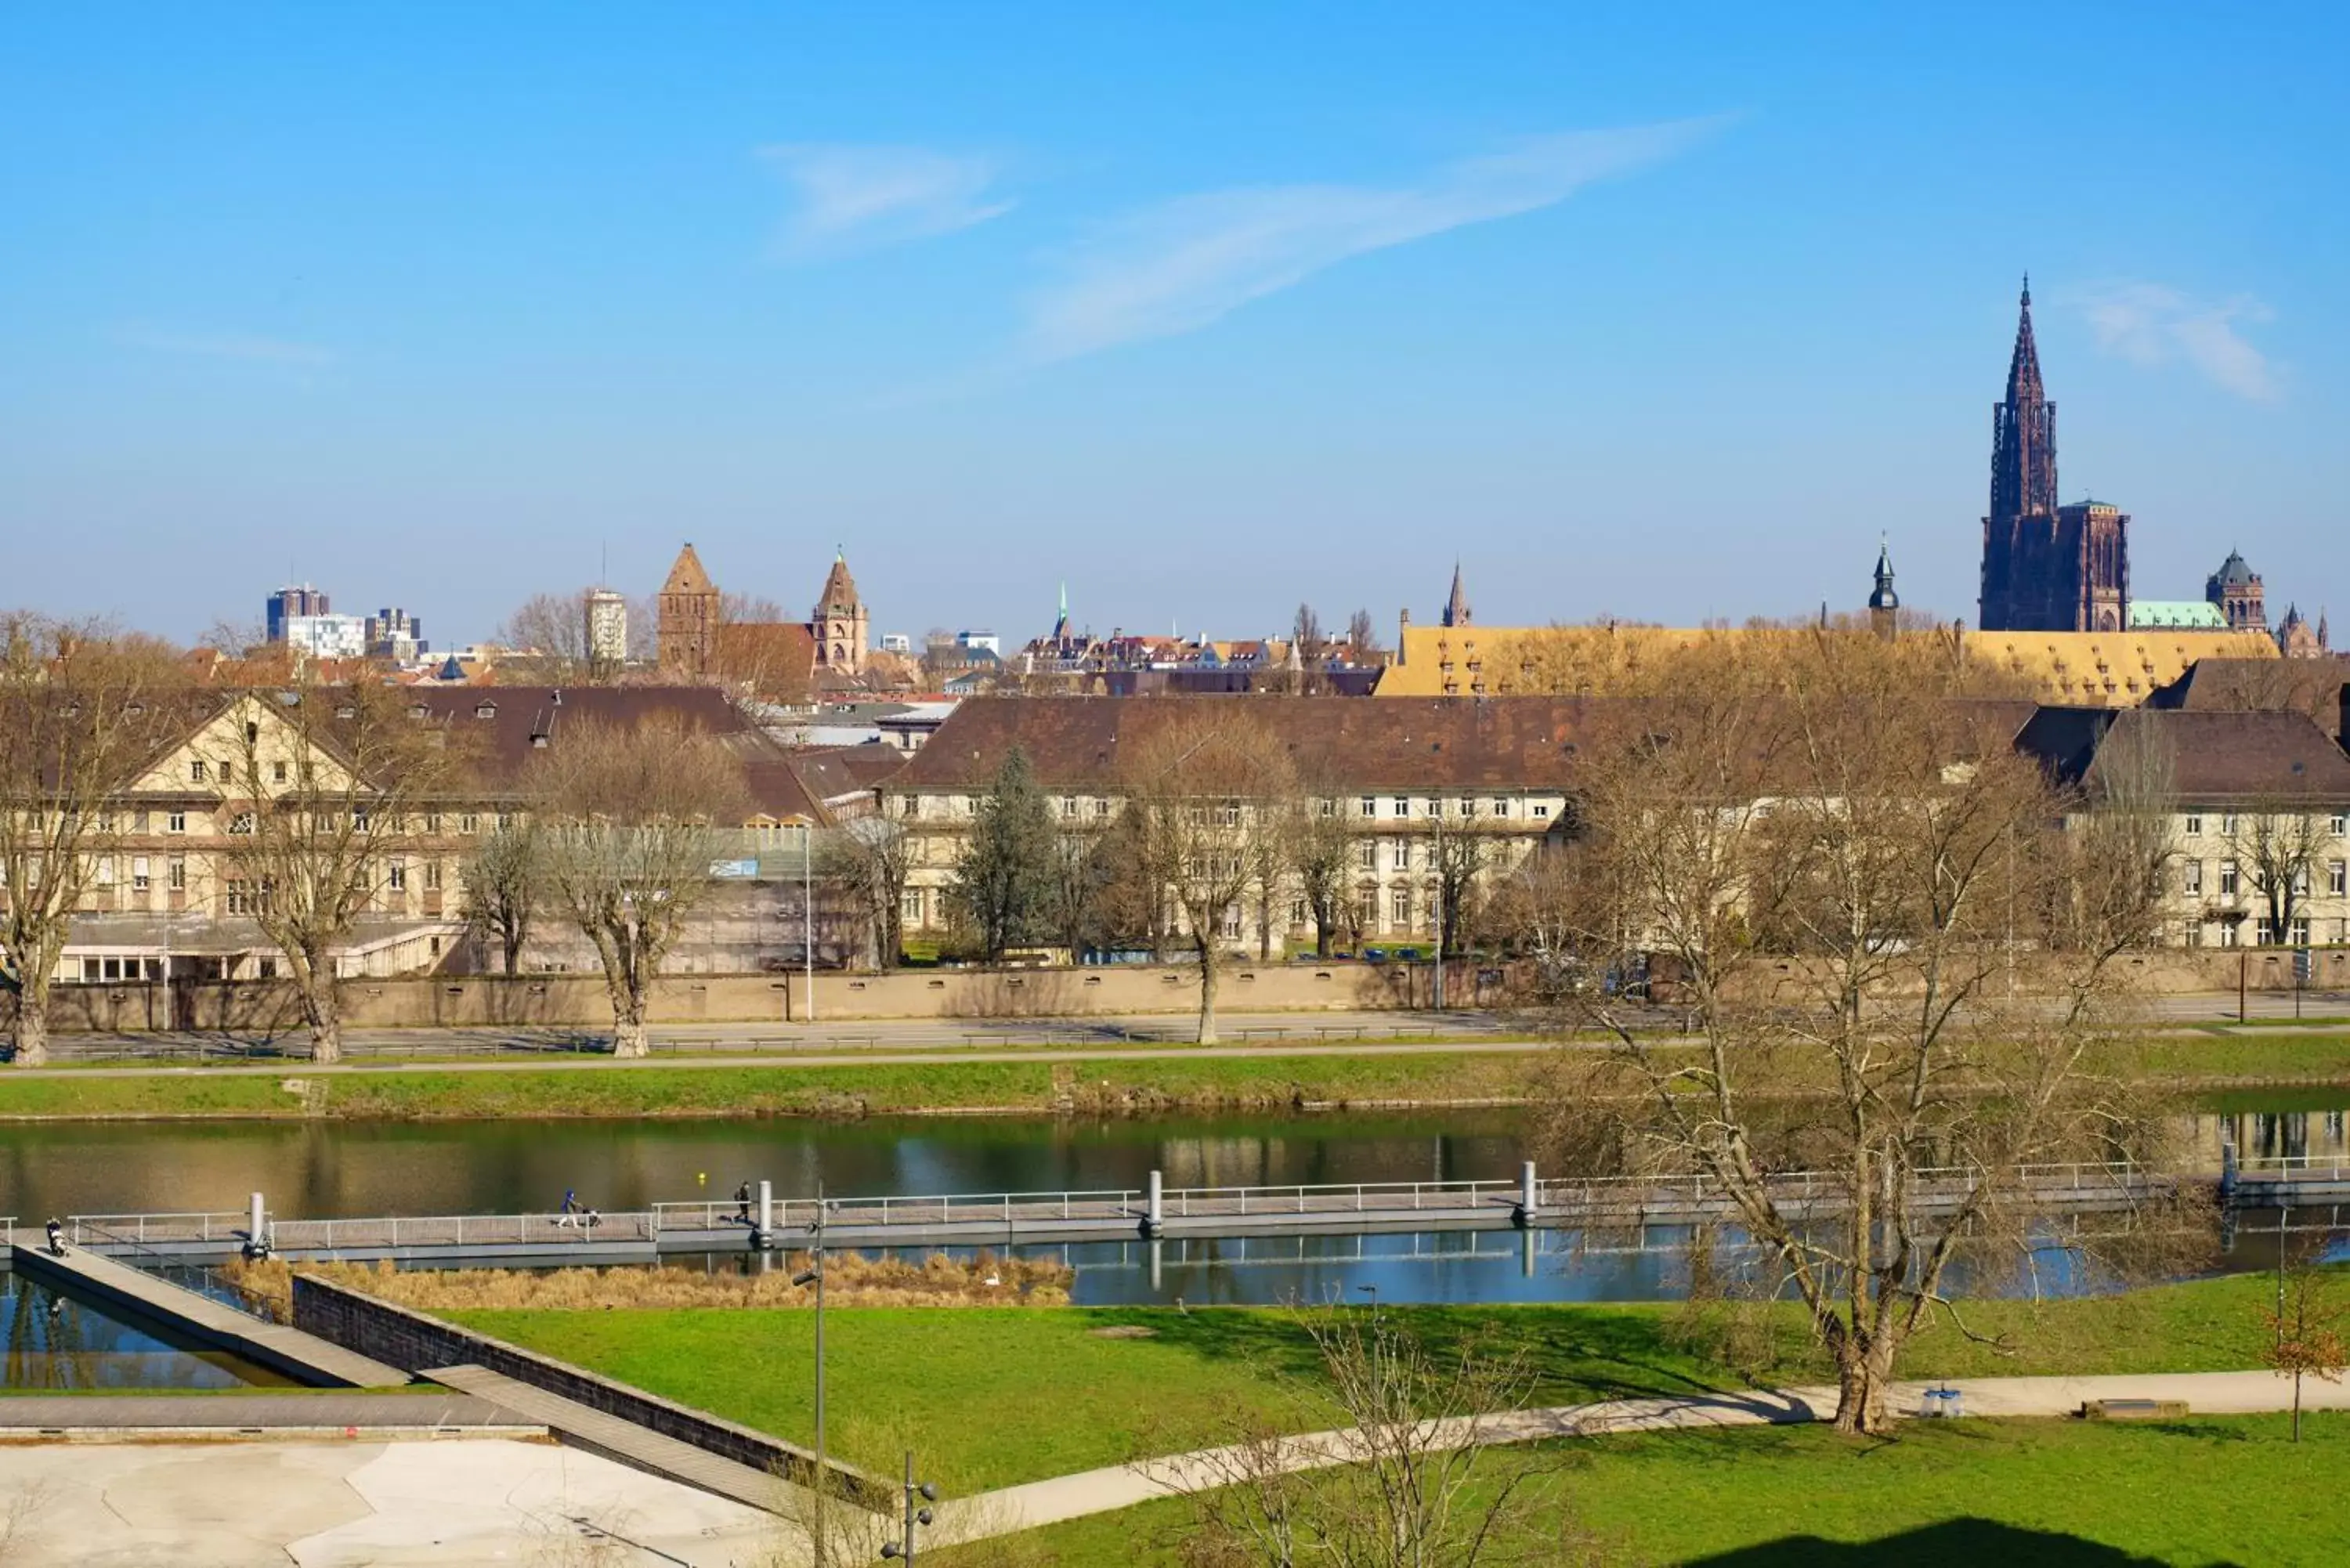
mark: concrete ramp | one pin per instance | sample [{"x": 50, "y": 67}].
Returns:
[
  {"x": 305, "y": 1357},
  {"x": 623, "y": 1440}
]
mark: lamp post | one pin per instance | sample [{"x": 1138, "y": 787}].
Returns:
[
  {"x": 807, "y": 915},
  {"x": 815, "y": 1275},
  {"x": 918, "y": 1494}
]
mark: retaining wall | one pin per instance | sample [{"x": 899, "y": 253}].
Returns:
[{"x": 417, "y": 1344}]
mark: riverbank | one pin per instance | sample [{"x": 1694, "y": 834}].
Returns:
[
  {"x": 1139, "y": 1081},
  {"x": 990, "y": 1408}
]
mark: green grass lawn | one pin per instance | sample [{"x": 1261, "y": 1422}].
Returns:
[
  {"x": 2010, "y": 1494},
  {"x": 993, "y": 1397}
]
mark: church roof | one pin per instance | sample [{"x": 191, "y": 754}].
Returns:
[
  {"x": 839, "y": 594},
  {"x": 2234, "y": 574},
  {"x": 2180, "y": 614},
  {"x": 687, "y": 576}
]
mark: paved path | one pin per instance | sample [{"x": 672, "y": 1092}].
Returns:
[
  {"x": 289, "y": 1350},
  {"x": 131, "y": 1416},
  {"x": 1044, "y": 1502},
  {"x": 487, "y": 1502}
]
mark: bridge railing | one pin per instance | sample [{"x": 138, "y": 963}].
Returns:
[
  {"x": 460, "y": 1230},
  {"x": 146, "y": 1230},
  {"x": 2297, "y": 1167}
]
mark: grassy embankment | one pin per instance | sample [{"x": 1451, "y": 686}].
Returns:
[
  {"x": 994, "y": 1397},
  {"x": 2023, "y": 1494},
  {"x": 1110, "y": 1083}
]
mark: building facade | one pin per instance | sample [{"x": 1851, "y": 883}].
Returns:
[
  {"x": 2045, "y": 566},
  {"x": 2235, "y": 589},
  {"x": 606, "y": 632}
]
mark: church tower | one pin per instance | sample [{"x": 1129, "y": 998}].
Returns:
[
  {"x": 1883, "y": 604},
  {"x": 2045, "y": 566},
  {"x": 1456, "y": 608},
  {"x": 838, "y": 625},
  {"x": 685, "y": 638}
]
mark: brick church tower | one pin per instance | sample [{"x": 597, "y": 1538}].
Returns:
[
  {"x": 2045, "y": 568},
  {"x": 686, "y": 625}
]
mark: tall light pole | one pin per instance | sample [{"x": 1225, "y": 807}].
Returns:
[
  {"x": 808, "y": 924},
  {"x": 917, "y": 1493},
  {"x": 815, "y": 1275}
]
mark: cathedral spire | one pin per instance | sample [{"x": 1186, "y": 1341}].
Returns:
[
  {"x": 2023, "y": 367},
  {"x": 1456, "y": 608}
]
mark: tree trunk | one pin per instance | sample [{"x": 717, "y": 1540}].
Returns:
[
  {"x": 1206, "y": 991},
  {"x": 628, "y": 1037},
  {"x": 1321, "y": 935},
  {"x": 1863, "y": 1378},
  {"x": 1264, "y": 931},
  {"x": 32, "y": 1033},
  {"x": 319, "y": 1002},
  {"x": 2296, "y": 1406},
  {"x": 513, "y": 946}
]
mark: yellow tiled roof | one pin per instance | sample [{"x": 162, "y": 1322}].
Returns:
[{"x": 2116, "y": 669}]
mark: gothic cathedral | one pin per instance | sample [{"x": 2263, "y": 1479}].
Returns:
[{"x": 2045, "y": 568}]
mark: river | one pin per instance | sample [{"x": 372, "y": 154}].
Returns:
[{"x": 331, "y": 1168}]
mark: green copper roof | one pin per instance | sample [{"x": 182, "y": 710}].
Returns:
[{"x": 2187, "y": 614}]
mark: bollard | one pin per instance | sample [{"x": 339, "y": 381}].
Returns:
[
  {"x": 765, "y": 1224},
  {"x": 257, "y": 1237},
  {"x": 1528, "y": 1194},
  {"x": 1154, "y": 1217}
]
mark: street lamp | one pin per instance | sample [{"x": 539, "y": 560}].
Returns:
[
  {"x": 815, "y": 1275},
  {"x": 917, "y": 1494}
]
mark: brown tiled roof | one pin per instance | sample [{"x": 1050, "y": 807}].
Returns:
[
  {"x": 2212, "y": 756},
  {"x": 1073, "y": 742},
  {"x": 2316, "y": 687}
]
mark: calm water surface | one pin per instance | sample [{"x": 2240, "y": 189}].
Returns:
[
  {"x": 51, "y": 1341},
  {"x": 328, "y": 1168}
]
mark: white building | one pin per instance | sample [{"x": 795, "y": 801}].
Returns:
[
  {"x": 327, "y": 636},
  {"x": 608, "y": 627}
]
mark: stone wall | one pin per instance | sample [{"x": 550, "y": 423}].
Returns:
[{"x": 417, "y": 1343}]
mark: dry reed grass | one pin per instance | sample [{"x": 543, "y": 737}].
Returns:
[{"x": 851, "y": 1279}]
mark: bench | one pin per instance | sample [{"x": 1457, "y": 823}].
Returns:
[{"x": 2132, "y": 1409}]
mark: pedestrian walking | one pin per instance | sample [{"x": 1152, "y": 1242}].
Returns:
[
  {"x": 743, "y": 1204},
  {"x": 569, "y": 1214}
]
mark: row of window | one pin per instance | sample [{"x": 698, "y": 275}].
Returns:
[
  {"x": 2338, "y": 824},
  {"x": 1401, "y": 806},
  {"x": 241, "y": 822},
  {"x": 2230, "y": 878},
  {"x": 2297, "y": 935}
]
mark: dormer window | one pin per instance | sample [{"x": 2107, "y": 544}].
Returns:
[{"x": 485, "y": 711}]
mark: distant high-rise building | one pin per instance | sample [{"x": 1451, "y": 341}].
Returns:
[
  {"x": 607, "y": 628},
  {"x": 292, "y": 600},
  {"x": 2045, "y": 568},
  {"x": 326, "y": 636},
  {"x": 394, "y": 634}
]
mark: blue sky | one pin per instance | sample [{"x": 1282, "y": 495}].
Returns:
[{"x": 1662, "y": 312}]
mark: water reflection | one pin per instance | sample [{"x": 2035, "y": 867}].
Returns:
[{"x": 50, "y": 1340}]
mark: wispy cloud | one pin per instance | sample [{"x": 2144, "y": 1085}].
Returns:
[
  {"x": 1179, "y": 265},
  {"x": 855, "y": 198},
  {"x": 2153, "y": 324},
  {"x": 247, "y": 348}
]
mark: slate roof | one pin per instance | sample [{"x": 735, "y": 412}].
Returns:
[{"x": 2214, "y": 757}]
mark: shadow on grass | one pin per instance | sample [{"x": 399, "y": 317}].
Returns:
[
  {"x": 1574, "y": 1354},
  {"x": 1956, "y": 1542}
]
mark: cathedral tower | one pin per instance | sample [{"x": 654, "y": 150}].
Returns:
[
  {"x": 2045, "y": 568},
  {"x": 838, "y": 625},
  {"x": 685, "y": 635}
]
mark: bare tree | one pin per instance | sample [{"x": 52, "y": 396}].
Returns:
[
  {"x": 552, "y": 630},
  {"x": 502, "y": 882},
  {"x": 320, "y": 790},
  {"x": 868, "y": 857},
  {"x": 1322, "y": 838},
  {"x": 1210, "y": 786},
  {"x": 1458, "y": 851},
  {"x": 1416, "y": 1469},
  {"x": 1833, "y": 862},
  {"x": 2274, "y": 845},
  {"x": 79, "y": 707},
  {"x": 1362, "y": 639},
  {"x": 631, "y": 822}
]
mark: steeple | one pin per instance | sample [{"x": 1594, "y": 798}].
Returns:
[
  {"x": 1456, "y": 608},
  {"x": 2023, "y": 367},
  {"x": 1884, "y": 598},
  {"x": 1061, "y": 622}
]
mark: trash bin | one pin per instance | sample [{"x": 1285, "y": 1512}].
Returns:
[{"x": 1943, "y": 1404}]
